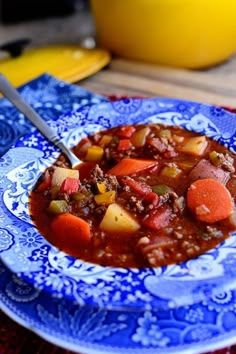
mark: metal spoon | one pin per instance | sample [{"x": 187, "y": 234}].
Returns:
[{"x": 8, "y": 91}]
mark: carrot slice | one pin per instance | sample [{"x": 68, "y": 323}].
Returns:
[
  {"x": 209, "y": 200},
  {"x": 128, "y": 166},
  {"x": 70, "y": 231}
]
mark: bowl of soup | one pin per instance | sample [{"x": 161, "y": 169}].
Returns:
[{"x": 140, "y": 216}]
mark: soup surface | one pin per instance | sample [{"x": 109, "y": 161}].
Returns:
[{"x": 146, "y": 195}]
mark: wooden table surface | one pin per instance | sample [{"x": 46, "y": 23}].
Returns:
[
  {"x": 127, "y": 77},
  {"x": 216, "y": 85}
]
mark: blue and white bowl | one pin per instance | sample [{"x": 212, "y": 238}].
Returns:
[{"x": 137, "y": 300}]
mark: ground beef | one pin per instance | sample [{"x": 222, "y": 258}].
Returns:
[
  {"x": 226, "y": 162},
  {"x": 98, "y": 176}
]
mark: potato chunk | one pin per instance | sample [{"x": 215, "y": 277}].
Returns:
[
  {"x": 195, "y": 146},
  {"x": 117, "y": 219},
  {"x": 59, "y": 175}
]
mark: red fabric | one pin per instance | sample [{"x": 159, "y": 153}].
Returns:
[{"x": 15, "y": 339}]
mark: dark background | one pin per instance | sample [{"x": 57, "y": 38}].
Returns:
[{"x": 16, "y": 11}]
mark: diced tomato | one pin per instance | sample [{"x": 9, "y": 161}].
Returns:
[
  {"x": 124, "y": 144},
  {"x": 69, "y": 185},
  {"x": 139, "y": 187},
  {"x": 126, "y": 131},
  {"x": 158, "y": 218}
]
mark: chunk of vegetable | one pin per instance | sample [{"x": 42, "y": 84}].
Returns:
[
  {"x": 130, "y": 166},
  {"x": 186, "y": 165},
  {"x": 105, "y": 140},
  {"x": 105, "y": 198},
  {"x": 71, "y": 231},
  {"x": 138, "y": 139},
  {"x": 58, "y": 206},
  {"x": 170, "y": 171},
  {"x": 118, "y": 220},
  {"x": 94, "y": 153},
  {"x": 165, "y": 133},
  {"x": 124, "y": 144},
  {"x": 159, "y": 218},
  {"x": 214, "y": 158},
  {"x": 209, "y": 200},
  {"x": 161, "y": 189},
  {"x": 69, "y": 185},
  {"x": 126, "y": 131},
  {"x": 151, "y": 198},
  {"x": 139, "y": 187},
  {"x": 205, "y": 169},
  {"x": 177, "y": 138},
  {"x": 101, "y": 187},
  {"x": 59, "y": 175},
  {"x": 195, "y": 146}
]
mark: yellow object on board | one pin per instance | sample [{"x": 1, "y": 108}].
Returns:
[
  {"x": 181, "y": 33},
  {"x": 66, "y": 62}
]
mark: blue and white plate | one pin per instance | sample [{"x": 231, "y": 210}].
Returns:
[
  {"x": 29, "y": 256},
  {"x": 194, "y": 329}
]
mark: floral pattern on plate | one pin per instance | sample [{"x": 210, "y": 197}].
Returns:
[
  {"x": 33, "y": 259},
  {"x": 191, "y": 329}
]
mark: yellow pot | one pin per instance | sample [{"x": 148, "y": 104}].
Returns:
[{"x": 181, "y": 33}]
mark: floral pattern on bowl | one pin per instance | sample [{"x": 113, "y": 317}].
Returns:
[
  {"x": 27, "y": 254},
  {"x": 194, "y": 329}
]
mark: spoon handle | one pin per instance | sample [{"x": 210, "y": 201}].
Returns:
[{"x": 17, "y": 100}]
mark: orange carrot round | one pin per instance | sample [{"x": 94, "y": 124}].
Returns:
[
  {"x": 70, "y": 231},
  {"x": 209, "y": 200}
]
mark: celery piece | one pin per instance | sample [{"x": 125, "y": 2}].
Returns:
[
  {"x": 214, "y": 158},
  {"x": 58, "y": 207},
  {"x": 161, "y": 189}
]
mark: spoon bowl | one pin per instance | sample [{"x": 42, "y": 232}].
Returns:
[{"x": 9, "y": 92}]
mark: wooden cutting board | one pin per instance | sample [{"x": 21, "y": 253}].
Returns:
[{"x": 123, "y": 77}]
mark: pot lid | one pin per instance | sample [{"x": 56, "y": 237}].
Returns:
[{"x": 69, "y": 63}]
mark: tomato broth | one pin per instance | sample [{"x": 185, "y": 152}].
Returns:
[{"x": 136, "y": 201}]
